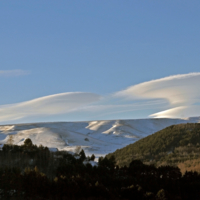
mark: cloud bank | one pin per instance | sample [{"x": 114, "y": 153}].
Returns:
[
  {"x": 170, "y": 97},
  {"x": 181, "y": 91},
  {"x": 48, "y": 105},
  {"x": 16, "y": 72}
]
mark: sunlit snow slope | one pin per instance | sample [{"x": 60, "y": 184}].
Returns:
[{"x": 95, "y": 137}]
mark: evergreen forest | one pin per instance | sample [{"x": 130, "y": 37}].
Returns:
[
  {"x": 175, "y": 145},
  {"x": 145, "y": 170}
]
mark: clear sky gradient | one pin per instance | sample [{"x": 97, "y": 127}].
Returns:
[{"x": 97, "y": 48}]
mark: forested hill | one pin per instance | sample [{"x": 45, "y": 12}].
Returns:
[{"x": 172, "y": 145}]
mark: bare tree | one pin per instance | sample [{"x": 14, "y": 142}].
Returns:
[{"x": 10, "y": 140}]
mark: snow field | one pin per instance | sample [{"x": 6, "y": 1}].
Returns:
[{"x": 95, "y": 137}]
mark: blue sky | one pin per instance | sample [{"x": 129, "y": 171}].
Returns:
[{"x": 94, "y": 48}]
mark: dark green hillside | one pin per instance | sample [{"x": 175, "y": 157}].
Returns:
[{"x": 176, "y": 143}]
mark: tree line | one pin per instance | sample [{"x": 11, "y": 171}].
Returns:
[{"x": 32, "y": 172}]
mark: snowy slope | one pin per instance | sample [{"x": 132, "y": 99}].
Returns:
[{"x": 95, "y": 137}]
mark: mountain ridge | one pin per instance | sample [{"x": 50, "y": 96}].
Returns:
[{"x": 98, "y": 137}]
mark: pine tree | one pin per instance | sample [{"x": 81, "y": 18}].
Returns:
[
  {"x": 82, "y": 155},
  {"x": 28, "y": 142},
  {"x": 92, "y": 157}
]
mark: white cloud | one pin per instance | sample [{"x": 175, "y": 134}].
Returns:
[
  {"x": 174, "y": 96},
  {"x": 16, "y": 72},
  {"x": 181, "y": 91},
  {"x": 121, "y": 107},
  {"x": 178, "y": 89},
  {"x": 179, "y": 112},
  {"x": 48, "y": 105}
]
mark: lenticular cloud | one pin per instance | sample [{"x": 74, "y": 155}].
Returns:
[
  {"x": 181, "y": 91},
  {"x": 48, "y": 105},
  {"x": 174, "y": 97},
  {"x": 179, "y": 112}
]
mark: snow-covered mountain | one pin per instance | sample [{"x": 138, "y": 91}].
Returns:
[{"x": 95, "y": 137}]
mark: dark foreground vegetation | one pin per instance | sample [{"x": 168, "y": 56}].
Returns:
[{"x": 31, "y": 172}]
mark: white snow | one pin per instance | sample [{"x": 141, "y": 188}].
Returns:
[
  {"x": 95, "y": 137},
  {"x": 93, "y": 163}
]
